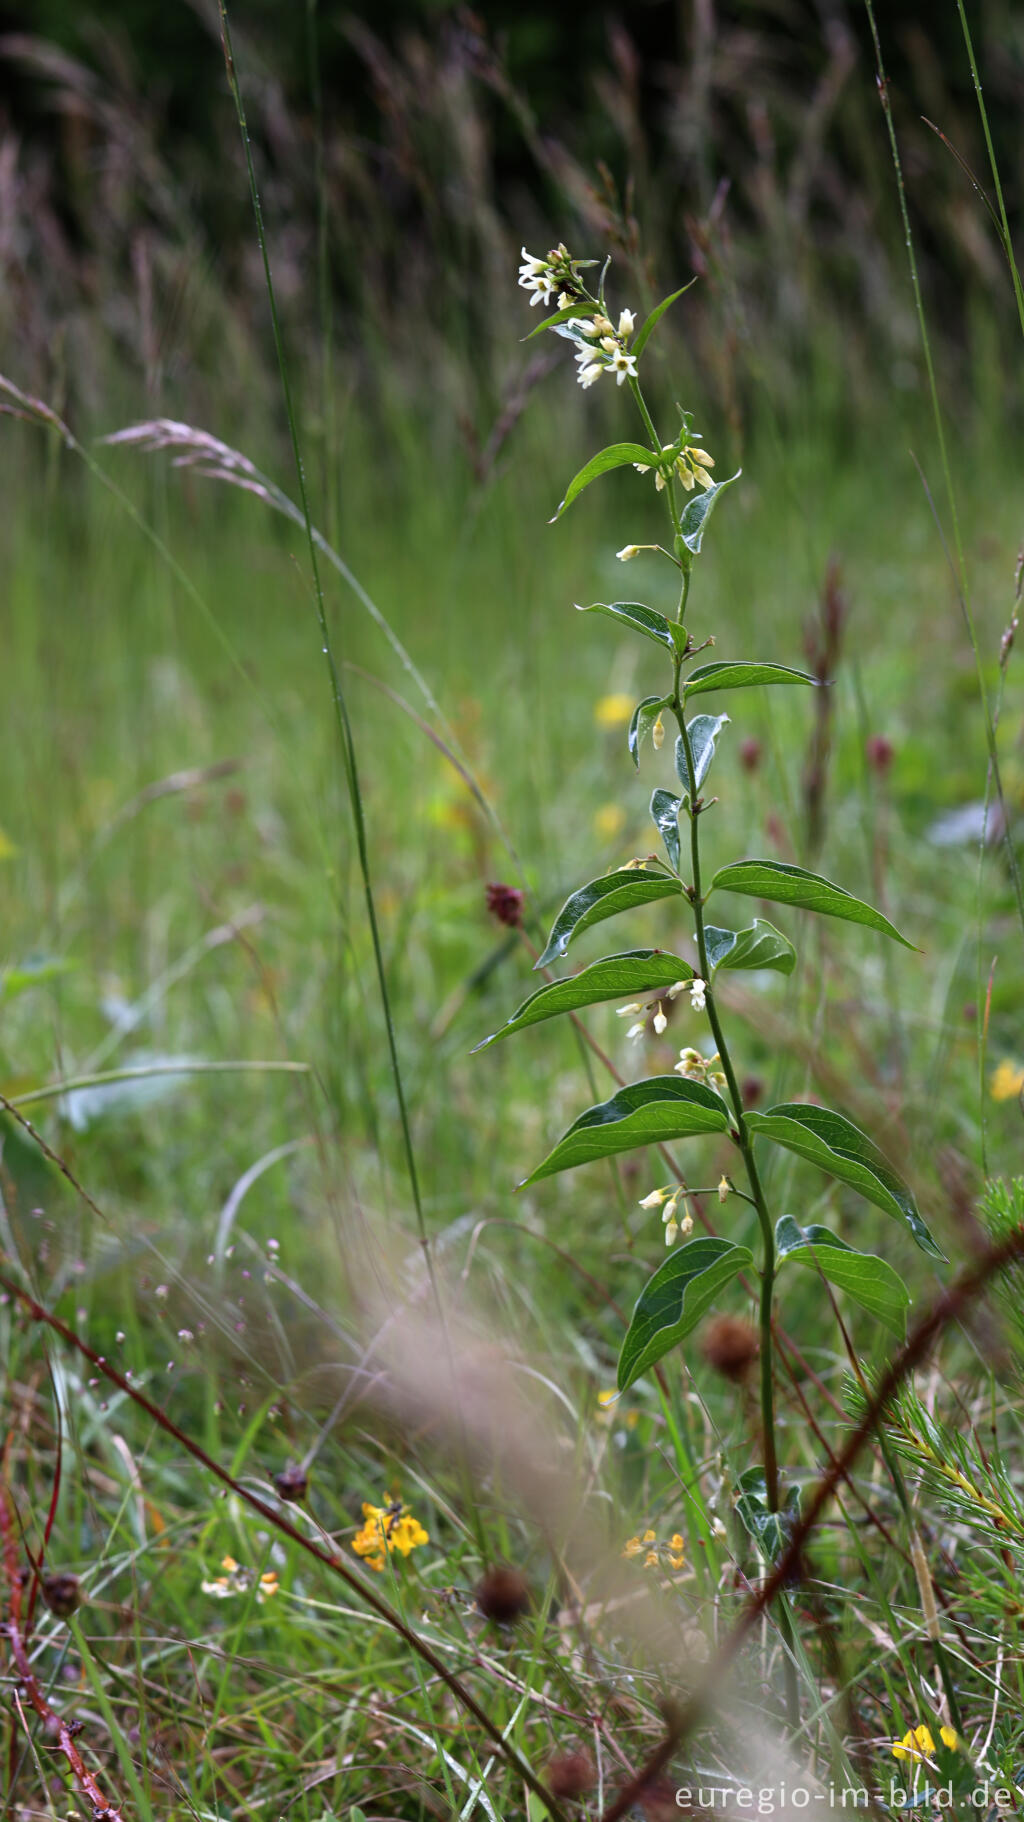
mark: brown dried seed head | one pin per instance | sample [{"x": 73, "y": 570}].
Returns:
[
  {"x": 292, "y": 1483},
  {"x": 62, "y": 1594},
  {"x": 506, "y": 904},
  {"x": 571, "y": 1774},
  {"x": 502, "y": 1595},
  {"x": 729, "y": 1344}
]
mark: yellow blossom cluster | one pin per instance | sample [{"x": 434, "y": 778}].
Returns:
[
  {"x": 386, "y": 1529},
  {"x": 1007, "y": 1081},
  {"x": 918, "y": 1743},
  {"x": 647, "y": 1546}
]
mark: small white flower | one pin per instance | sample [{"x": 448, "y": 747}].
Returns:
[
  {"x": 697, "y": 992},
  {"x": 630, "y": 1011},
  {"x": 724, "y": 1187},
  {"x": 654, "y": 1200},
  {"x": 660, "y": 1021},
  {"x": 602, "y": 326},
  {"x": 677, "y": 988},
  {"x": 669, "y": 1211},
  {"x": 642, "y": 467},
  {"x": 587, "y": 375},
  {"x": 636, "y": 1031},
  {"x": 564, "y": 300},
  {"x": 608, "y": 343},
  {"x": 686, "y": 1225},
  {"x": 659, "y": 479},
  {"x": 627, "y": 551},
  {"x": 532, "y": 267},
  {"x": 627, "y": 322},
  {"x": 671, "y": 1233},
  {"x": 658, "y": 735},
  {"x": 623, "y": 365}
]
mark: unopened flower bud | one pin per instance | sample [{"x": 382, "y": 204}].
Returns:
[
  {"x": 627, "y": 322},
  {"x": 658, "y": 735},
  {"x": 292, "y": 1483},
  {"x": 627, "y": 551}
]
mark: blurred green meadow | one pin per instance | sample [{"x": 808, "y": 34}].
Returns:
[{"x": 203, "y": 1169}]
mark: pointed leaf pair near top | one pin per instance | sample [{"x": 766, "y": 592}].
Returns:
[
  {"x": 617, "y": 455},
  {"x": 616, "y": 977},
  {"x": 603, "y": 898},
  {"x": 840, "y": 1148},
  {"x": 787, "y": 885},
  {"x": 644, "y": 1113}
]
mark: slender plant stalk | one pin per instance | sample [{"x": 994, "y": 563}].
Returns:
[{"x": 742, "y": 1136}]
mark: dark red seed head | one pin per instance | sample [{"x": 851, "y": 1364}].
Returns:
[
  {"x": 502, "y": 1595},
  {"x": 506, "y": 904},
  {"x": 292, "y": 1483},
  {"x": 62, "y": 1594}
]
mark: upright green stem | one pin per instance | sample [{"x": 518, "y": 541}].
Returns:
[
  {"x": 771, "y": 1465},
  {"x": 742, "y": 1136}
]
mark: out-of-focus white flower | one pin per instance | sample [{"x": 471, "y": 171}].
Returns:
[
  {"x": 587, "y": 375},
  {"x": 654, "y": 1200},
  {"x": 658, "y": 734},
  {"x": 659, "y": 1021},
  {"x": 627, "y": 551},
  {"x": 627, "y": 322},
  {"x": 698, "y": 990}
]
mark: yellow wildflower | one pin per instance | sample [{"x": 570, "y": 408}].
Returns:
[
  {"x": 385, "y": 1529},
  {"x": 918, "y": 1742},
  {"x": 613, "y": 711},
  {"x": 649, "y": 1537},
  {"x": 676, "y": 1542},
  {"x": 1007, "y": 1081},
  {"x": 651, "y": 1559},
  {"x": 632, "y": 1547}
]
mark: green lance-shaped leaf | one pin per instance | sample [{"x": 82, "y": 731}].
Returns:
[
  {"x": 646, "y": 620},
  {"x": 703, "y": 731},
  {"x": 741, "y": 676},
  {"x": 551, "y": 322},
  {"x": 644, "y": 1113},
  {"x": 759, "y": 946},
  {"x": 870, "y": 1281},
  {"x": 840, "y": 1148},
  {"x": 788, "y": 885},
  {"x": 644, "y": 718},
  {"x": 665, "y": 815},
  {"x": 771, "y": 1531},
  {"x": 615, "y": 977},
  {"x": 672, "y": 1302},
  {"x": 644, "y": 333},
  {"x": 698, "y": 511},
  {"x": 602, "y": 898},
  {"x": 617, "y": 455}
]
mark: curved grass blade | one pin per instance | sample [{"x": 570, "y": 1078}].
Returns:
[
  {"x": 840, "y": 1148},
  {"x": 788, "y": 885},
  {"x": 674, "y": 1300},
  {"x": 602, "y": 898},
  {"x": 614, "y": 977},
  {"x": 644, "y": 1113}
]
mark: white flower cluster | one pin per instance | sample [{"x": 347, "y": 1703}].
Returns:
[
  {"x": 671, "y": 1199},
  {"x": 637, "y": 1010},
  {"x": 691, "y": 467},
  {"x": 600, "y": 348}
]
